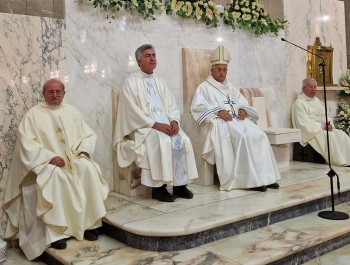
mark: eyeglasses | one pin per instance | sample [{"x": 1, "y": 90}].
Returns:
[{"x": 58, "y": 92}]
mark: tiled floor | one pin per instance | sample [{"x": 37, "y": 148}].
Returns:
[{"x": 210, "y": 206}]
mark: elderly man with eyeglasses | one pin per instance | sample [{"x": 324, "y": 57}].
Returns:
[{"x": 54, "y": 189}]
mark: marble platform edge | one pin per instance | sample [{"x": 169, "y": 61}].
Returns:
[
  {"x": 175, "y": 243},
  {"x": 314, "y": 251},
  {"x": 49, "y": 259}
]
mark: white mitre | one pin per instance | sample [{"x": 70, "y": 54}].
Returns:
[{"x": 219, "y": 56}]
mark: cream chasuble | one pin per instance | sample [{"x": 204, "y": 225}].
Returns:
[
  {"x": 240, "y": 149},
  {"x": 144, "y": 100},
  {"x": 46, "y": 203},
  {"x": 308, "y": 115}
]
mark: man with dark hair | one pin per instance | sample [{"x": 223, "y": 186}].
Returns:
[
  {"x": 309, "y": 116},
  {"x": 54, "y": 189},
  {"x": 148, "y": 131}
]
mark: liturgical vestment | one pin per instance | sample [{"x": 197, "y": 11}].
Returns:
[
  {"x": 45, "y": 203},
  {"x": 240, "y": 149},
  {"x": 308, "y": 115},
  {"x": 144, "y": 100}
]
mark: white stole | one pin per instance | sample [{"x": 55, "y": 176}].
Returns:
[{"x": 179, "y": 156}]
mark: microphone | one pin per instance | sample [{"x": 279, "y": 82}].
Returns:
[
  {"x": 321, "y": 64},
  {"x": 332, "y": 215}
]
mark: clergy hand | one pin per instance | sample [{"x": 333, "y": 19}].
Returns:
[
  {"x": 225, "y": 115},
  {"x": 57, "y": 161},
  {"x": 241, "y": 114},
  {"x": 174, "y": 128},
  {"x": 328, "y": 126},
  {"x": 162, "y": 127}
]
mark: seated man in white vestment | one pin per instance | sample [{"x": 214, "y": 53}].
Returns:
[
  {"x": 54, "y": 189},
  {"x": 308, "y": 115},
  {"x": 148, "y": 131},
  {"x": 239, "y": 148}
]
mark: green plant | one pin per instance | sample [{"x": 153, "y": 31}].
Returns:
[{"x": 247, "y": 14}]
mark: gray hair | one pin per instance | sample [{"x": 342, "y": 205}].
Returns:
[
  {"x": 142, "y": 48},
  {"x": 307, "y": 80},
  {"x": 63, "y": 87}
]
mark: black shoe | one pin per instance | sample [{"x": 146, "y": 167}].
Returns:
[
  {"x": 183, "y": 192},
  {"x": 261, "y": 188},
  {"x": 59, "y": 244},
  {"x": 91, "y": 235},
  {"x": 161, "y": 194},
  {"x": 273, "y": 186}
]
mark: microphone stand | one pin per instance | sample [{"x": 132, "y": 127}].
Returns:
[{"x": 332, "y": 215}]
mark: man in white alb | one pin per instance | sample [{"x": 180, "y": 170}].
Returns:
[
  {"x": 239, "y": 148},
  {"x": 54, "y": 189},
  {"x": 148, "y": 131},
  {"x": 308, "y": 115}
]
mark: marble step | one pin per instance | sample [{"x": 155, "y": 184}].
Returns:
[
  {"x": 337, "y": 257},
  {"x": 147, "y": 224},
  {"x": 294, "y": 241}
]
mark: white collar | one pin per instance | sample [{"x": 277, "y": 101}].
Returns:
[{"x": 307, "y": 98}]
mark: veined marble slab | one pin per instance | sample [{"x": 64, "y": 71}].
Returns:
[
  {"x": 338, "y": 257},
  {"x": 32, "y": 50},
  {"x": 215, "y": 208},
  {"x": 274, "y": 242},
  {"x": 110, "y": 251}
]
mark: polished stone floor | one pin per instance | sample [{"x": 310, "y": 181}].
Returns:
[{"x": 210, "y": 207}]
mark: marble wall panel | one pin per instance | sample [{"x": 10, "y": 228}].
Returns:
[
  {"x": 58, "y": 9},
  {"x": 262, "y": 65},
  {"x": 308, "y": 20},
  {"x": 100, "y": 55},
  {"x": 14, "y": 6},
  {"x": 41, "y": 8},
  {"x": 347, "y": 27},
  {"x": 32, "y": 50}
]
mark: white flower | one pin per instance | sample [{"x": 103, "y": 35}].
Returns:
[
  {"x": 236, "y": 14},
  {"x": 199, "y": 13},
  {"x": 210, "y": 3},
  {"x": 236, "y": 7},
  {"x": 205, "y": 5},
  {"x": 344, "y": 83},
  {"x": 341, "y": 113}
]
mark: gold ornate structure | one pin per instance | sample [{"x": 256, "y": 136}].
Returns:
[{"x": 313, "y": 69}]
